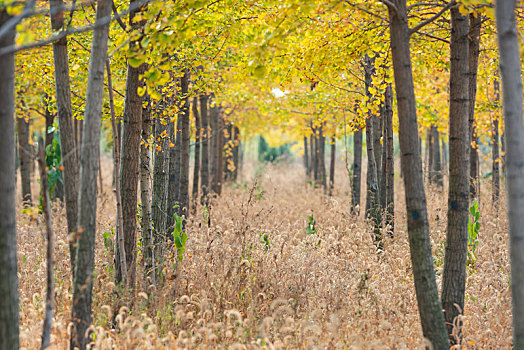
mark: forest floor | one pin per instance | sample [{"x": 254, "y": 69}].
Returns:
[{"x": 235, "y": 289}]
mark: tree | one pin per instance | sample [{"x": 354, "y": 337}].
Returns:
[
  {"x": 454, "y": 275},
  {"x": 429, "y": 305},
  {"x": 25, "y": 152},
  {"x": 196, "y": 168},
  {"x": 356, "y": 171},
  {"x": 68, "y": 145},
  {"x": 510, "y": 68},
  {"x": 9, "y": 319},
  {"x": 85, "y": 255},
  {"x": 130, "y": 164}
]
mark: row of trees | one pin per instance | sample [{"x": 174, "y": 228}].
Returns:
[{"x": 177, "y": 54}]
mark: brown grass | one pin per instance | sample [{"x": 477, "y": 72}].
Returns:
[{"x": 231, "y": 292}]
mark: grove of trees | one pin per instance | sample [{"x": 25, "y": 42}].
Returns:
[{"x": 174, "y": 98}]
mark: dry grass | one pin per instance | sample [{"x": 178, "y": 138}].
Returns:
[{"x": 232, "y": 292}]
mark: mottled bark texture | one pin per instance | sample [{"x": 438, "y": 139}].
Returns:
[
  {"x": 495, "y": 154},
  {"x": 356, "y": 172},
  {"x": 435, "y": 171},
  {"x": 430, "y": 309},
  {"x": 204, "y": 166},
  {"x": 9, "y": 299},
  {"x": 183, "y": 193},
  {"x": 68, "y": 132},
  {"x": 390, "y": 162},
  {"x": 475, "y": 23},
  {"x": 196, "y": 168},
  {"x": 512, "y": 94},
  {"x": 90, "y": 153},
  {"x": 25, "y": 153},
  {"x": 454, "y": 275}
]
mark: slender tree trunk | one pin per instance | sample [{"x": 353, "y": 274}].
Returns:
[
  {"x": 238, "y": 154},
  {"x": 390, "y": 162},
  {"x": 9, "y": 318},
  {"x": 220, "y": 166},
  {"x": 332, "y": 166},
  {"x": 213, "y": 118},
  {"x": 312, "y": 155},
  {"x": 121, "y": 271},
  {"x": 183, "y": 196},
  {"x": 204, "y": 171},
  {"x": 373, "y": 194},
  {"x": 512, "y": 93},
  {"x": 147, "y": 228},
  {"x": 196, "y": 168},
  {"x": 429, "y": 155},
  {"x": 160, "y": 186},
  {"x": 436, "y": 164},
  {"x": 383, "y": 165},
  {"x": 430, "y": 309},
  {"x": 85, "y": 258},
  {"x": 50, "y": 234},
  {"x": 454, "y": 276},
  {"x": 444, "y": 156},
  {"x": 173, "y": 187},
  {"x": 322, "y": 157},
  {"x": 475, "y": 23},
  {"x": 68, "y": 132},
  {"x": 26, "y": 157},
  {"x": 357, "y": 171},
  {"x": 306, "y": 158},
  {"x": 130, "y": 164},
  {"x": 495, "y": 154}
]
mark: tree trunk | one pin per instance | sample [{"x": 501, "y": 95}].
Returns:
[
  {"x": 454, "y": 276},
  {"x": 26, "y": 157},
  {"x": 204, "y": 171},
  {"x": 68, "y": 133},
  {"x": 428, "y": 157},
  {"x": 50, "y": 252},
  {"x": 173, "y": 187},
  {"x": 436, "y": 164},
  {"x": 306, "y": 158},
  {"x": 475, "y": 23},
  {"x": 238, "y": 154},
  {"x": 332, "y": 166},
  {"x": 130, "y": 164},
  {"x": 312, "y": 154},
  {"x": 372, "y": 193},
  {"x": 9, "y": 317},
  {"x": 390, "y": 162},
  {"x": 220, "y": 165},
  {"x": 357, "y": 171},
  {"x": 183, "y": 195},
  {"x": 196, "y": 168},
  {"x": 495, "y": 154},
  {"x": 213, "y": 149},
  {"x": 85, "y": 258},
  {"x": 322, "y": 157},
  {"x": 121, "y": 270},
  {"x": 147, "y": 228},
  {"x": 512, "y": 93},
  {"x": 430, "y": 309},
  {"x": 160, "y": 186}
]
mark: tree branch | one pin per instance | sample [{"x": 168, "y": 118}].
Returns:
[{"x": 431, "y": 19}]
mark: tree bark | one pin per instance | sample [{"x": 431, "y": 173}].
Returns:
[
  {"x": 204, "y": 171},
  {"x": 9, "y": 299},
  {"x": 332, "y": 166},
  {"x": 160, "y": 185},
  {"x": 68, "y": 133},
  {"x": 183, "y": 195},
  {"x": 238, "y": 154},
  {"x": 390, "y": 162},
  {"x": 454, "y": 275},
  {"x": 196, "y": 168},
  {"x": 357, "y": 171},
  {"x": 173, "y": 187},
  {"x": 26, "y": 157},
  {"x": 130, "y": 164},
  {"x": 373, "y": 211},
  {"x": 83, "y": 279},
  {"x": 429, "y": 305},
  {"x": 214, "y": 149},
  {"x": 436, "y": 164},
  {"x": 475, "y": 23},
  {"x": 512, "y": 94},
  {"x": 306, "y": 158},
  {"x": 50, "y": 235},
  {"x": 147, "y": 228},
  {"x": 121, "y": 270},
  {"x": 495, "y": 154},
  {"x": 220, "y": 159}
]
